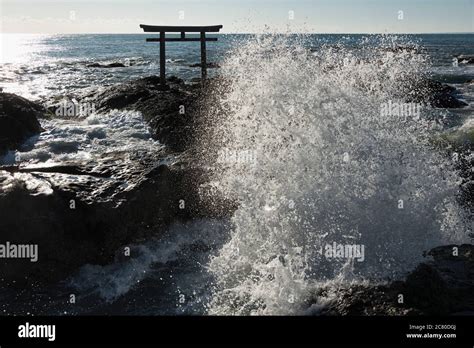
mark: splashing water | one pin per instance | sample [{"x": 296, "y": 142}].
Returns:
[{"x": 326, "y": 167}]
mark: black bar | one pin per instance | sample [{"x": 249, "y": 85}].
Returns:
[
  {"x": 257, "y": 330},
  {"x": 179, "y": 29},
  {"x": 175, "y": 39},
  {"x": 162, "y": 59}
]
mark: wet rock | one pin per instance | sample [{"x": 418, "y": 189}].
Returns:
[
  {"x": 18, "y": 120},
  {"x": 170, "y": 111},
  {"x": 365, "y": 300},
  {"x": 110, "y": 65},
  {"x": 465, "y": 59},
  {"x": 209, "y": 65},
  {"x": 441, "y": 286},
  {"x": 457, "y": 144},
  {"x": 403, "y": 48},
  {"x": 425, "y": 290},
  {"x": 434, "y": 93},
  {"x": 86, "y": 212}
]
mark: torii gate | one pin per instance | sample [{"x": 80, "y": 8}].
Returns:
[{"x": 183, "y": 30}]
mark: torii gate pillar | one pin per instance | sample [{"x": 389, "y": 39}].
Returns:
[{"x": 183, "y": 30}]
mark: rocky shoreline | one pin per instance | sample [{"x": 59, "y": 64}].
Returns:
[
  {"x": 18, "y": 120},
  {"x": 87, "y": 211}
]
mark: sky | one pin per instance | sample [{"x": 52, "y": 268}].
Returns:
[{"x": 243, "y": 16}]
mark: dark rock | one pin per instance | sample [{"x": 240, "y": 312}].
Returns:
[
  {"x": 434, "y": 93},
  {"x": 425, "y": 290},
  {"x": 465, "y": 59},
  {"x": 402, "y": 48},
  {"x": 365, "y": 300},
  {"x": 110, "y": 65},
  {"x": 171, "y": 112},
  {"x": 442, "y": 286},
  {"x": 465, "y": 252},
  {"x": 86, "y": 212},
  {"x": 209, "y": 65},
  {"x": 18, "y": 120}
]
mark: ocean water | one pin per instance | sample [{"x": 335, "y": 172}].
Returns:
[
  {"x": 38, "y": 66},
  {"x": 321, "y": 166}
]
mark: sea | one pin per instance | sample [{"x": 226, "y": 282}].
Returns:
[{"x": 323, "y": 168}]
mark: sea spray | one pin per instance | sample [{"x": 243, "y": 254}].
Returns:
[{"x": 329, "y": 169}]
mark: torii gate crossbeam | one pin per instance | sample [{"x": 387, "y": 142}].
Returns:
[{"x": 183, "y": 30}]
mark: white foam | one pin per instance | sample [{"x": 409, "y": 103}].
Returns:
[
  {"x": 77, "y": 139},
  {"x": 177, "y": 248},
  {"x": 330, "y": 168}
]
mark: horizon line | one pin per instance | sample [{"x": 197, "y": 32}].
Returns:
[{"x": 253, "y": 33}]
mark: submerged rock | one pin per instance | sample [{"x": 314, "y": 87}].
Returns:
[{"x": 18, "y": 120}]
